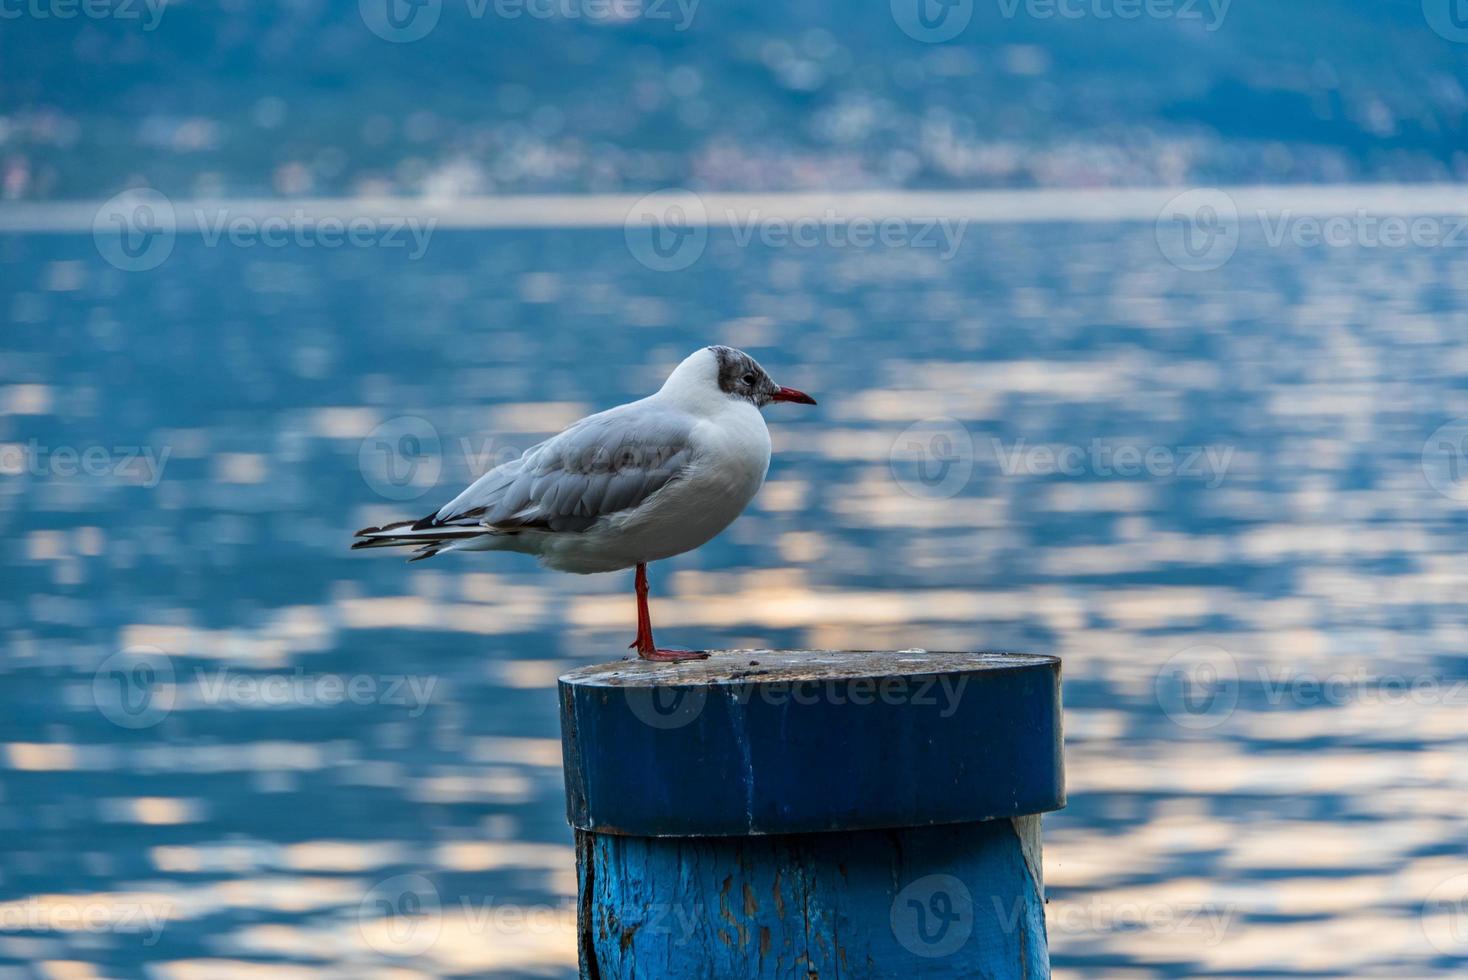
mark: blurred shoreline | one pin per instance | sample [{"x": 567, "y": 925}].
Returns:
[{"x": 1016, "y": 206}]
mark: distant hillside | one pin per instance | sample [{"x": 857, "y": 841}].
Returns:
[{"x": 274, "y": 97}]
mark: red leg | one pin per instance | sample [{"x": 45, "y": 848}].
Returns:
[{"x": 644, "y": 645}]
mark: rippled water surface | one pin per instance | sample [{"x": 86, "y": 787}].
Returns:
[{"x": 1237, "y": 484}]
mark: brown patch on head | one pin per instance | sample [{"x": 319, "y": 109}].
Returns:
[{"x": 741, "y": 376}]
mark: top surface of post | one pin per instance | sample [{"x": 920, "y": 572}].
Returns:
[{"x": 765, "y": 742}]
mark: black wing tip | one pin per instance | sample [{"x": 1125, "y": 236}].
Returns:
[{"x": 395, "y": 525}]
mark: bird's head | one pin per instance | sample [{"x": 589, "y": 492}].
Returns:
[{"x": 724, "y": 372}]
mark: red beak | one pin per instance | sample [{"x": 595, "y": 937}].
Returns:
[{"x": 791, "y": 395}]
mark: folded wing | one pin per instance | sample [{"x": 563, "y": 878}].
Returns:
[{"x": 602, "y": 465}]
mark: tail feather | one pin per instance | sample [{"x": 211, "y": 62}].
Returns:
[
  {"x": 386, "y": 527},
  {"x": 429, "y": 540},
  {"x": 381, "y": 543}
]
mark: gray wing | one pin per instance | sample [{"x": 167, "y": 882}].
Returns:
[{"x": 603, "y": 464}]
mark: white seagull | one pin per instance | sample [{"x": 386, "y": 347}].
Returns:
[{"x": 640, "y": 482}]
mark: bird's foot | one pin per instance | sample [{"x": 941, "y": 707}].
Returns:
[{"x": 668, "y": 656}]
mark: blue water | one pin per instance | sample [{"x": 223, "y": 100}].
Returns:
[{"x": 186, "y": 450}]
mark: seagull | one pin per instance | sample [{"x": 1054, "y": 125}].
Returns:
[{"x": 619, "y": 489}]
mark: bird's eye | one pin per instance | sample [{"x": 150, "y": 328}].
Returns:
[{"x": 749, "y": 378}]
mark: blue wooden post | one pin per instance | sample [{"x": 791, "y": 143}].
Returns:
[{"x": 812, "y": 814}]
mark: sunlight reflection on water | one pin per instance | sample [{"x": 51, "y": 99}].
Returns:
[{"x": 1300, "y": 830}]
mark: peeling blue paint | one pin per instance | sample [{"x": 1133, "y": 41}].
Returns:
[{"x": 956, "y": 901}]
